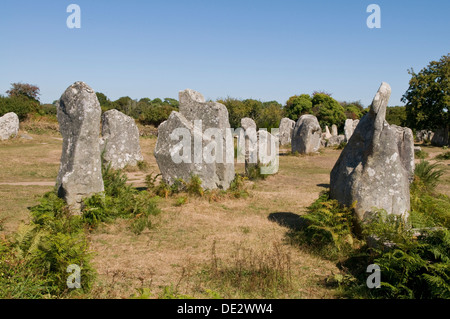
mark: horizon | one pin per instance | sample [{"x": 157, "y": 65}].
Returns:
[{"x": 264, "y": 50}]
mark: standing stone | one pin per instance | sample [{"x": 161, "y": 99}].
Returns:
[
  {"x": 80, "y": 173},
  {"x": 335, "y": 140},
  {"x": 9, "y": 126},
  {"x": 377, "y": 165},
  {"x": 334, "y": 130},
  {"x": 421, "y": 135},
  {"x": 247, "y": 123},
  {"x": 196, "y": 121},
  {"x": 307, "y": 135},
  {"x": 355, "y": 124},
  {"x": 120, "y": 141},
  {"x": 251, "y": 144},
  {"x": 440, "y": 137},
  {"x": 286, "y": 129},
  {"x": 327, "y": 133},
  {"x": 268, "y": 147},
  {"x": 348, "y": 129}
]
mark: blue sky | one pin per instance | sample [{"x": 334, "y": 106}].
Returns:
[{"x": 268, "y": 50}]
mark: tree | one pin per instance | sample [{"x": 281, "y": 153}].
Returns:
[
  {"x": 25, "y": 90},
  {"x": 20, "y": 105},
  {"x": 105, "y": 103},
  {"x": 428, "y": 96},
  {"x": 353, "y": 110},
  {"x": 327, "y": 110},
  {"x": 396, "y": 115},
  {"x": 296, "y": 106},
  {"x": 270, "y": 116}
]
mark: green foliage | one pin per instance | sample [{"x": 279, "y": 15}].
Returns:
[
  {"x": 253, "y": 172},
  {"x": 20, "y": 105},
  {"x": 298, "y": 105},
  {"x": 428, "y": 96},
  {"x": 120, "y": 200},
  {"x": 416, "y": 269},
  {"x": 271, "y": 115},
  {"x": 181, "y": 201},
  {"x": 353, "y": 110},
  {"x": 146, "y": 111},
  {"x": 328, "y": 228},
  {"x": 237, "y": 187},
  {"x": 327, "y": 110},
  {"x": 387, "y": 229},
  {"x": 414, "y": 261},
  {"x": 444, "y": 156},
  {"x": 396, "y": 115},
  {"x": 427, "y": 175},
  {"x": 38, "y": 254},
  {"x": 194, "y": 186},
  {"x": 421, "y": 154},
  {"x": 427, "y": 208},
  {"x": 17, "y": 279}
]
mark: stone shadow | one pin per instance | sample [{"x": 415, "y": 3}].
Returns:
[{"x": 289, "y": 220}]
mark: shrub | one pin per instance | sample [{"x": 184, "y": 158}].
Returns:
[
  {"x": 427, "y": 175},
  {"x": 194, "y": 186},
  {"x": 328, "y": 228},
  {"x": 34, "y": 261},
  {"x": 20, "y": 105},
  {"x": 421, "y": 154},
  {"x": 444, "y": 156}
]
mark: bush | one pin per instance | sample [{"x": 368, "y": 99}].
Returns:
[
  {"x": 427, "y": 175},
  {"x": 327, "y": 110},
  {"x": 36, "y": 257},
  {"x": 120, "y": 200},
  {"x": 20, "y": 105},
  {"x": 328, "y": 228}
]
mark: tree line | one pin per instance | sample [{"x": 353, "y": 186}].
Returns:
[{"x": 427, "y": 104}]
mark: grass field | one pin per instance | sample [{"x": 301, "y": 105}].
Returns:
[{"x": 230, "y": 248}]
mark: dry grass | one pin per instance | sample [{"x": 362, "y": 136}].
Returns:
[{"x": 178, "y": 252}]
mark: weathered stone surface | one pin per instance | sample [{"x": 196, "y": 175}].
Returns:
[
  {"x": 440, "y": 137},
  {"x": 376, "y": 167},
  {"x": 247, "y": 123},
  {"x": 193, "y": 109},
  {"x": 9, "y": 126},
  {"x": 80, "y": 173},
  {"x": 348, "y": 129},
  {"x": 307, "y": 135},
  {"x": 327, "y": 133},
  {"x": 334, "y": 130},
  {"x": 268, "y": 146},
  {"x": 120, "y": 140},
  {"x": 355, "y": 124},
  {"x": 423, "y": 135},
  {"x": 251, "y": 144},
  {"x": 286, "y": 129},
  {"x": 335, "y": 140}
]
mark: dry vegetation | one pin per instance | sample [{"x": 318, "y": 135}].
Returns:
[{"x": 230, "y": 248}]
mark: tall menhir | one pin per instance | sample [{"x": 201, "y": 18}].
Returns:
[{"x": 80, "y": 173}]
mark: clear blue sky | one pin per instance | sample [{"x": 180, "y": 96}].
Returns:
[{"x": 263, "y": 49}]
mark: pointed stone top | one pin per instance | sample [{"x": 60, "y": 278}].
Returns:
[
  {"x": 187, "y": 96},
  {"x": 381, "y": 99},
  {"x": 78, "y": 86}
]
